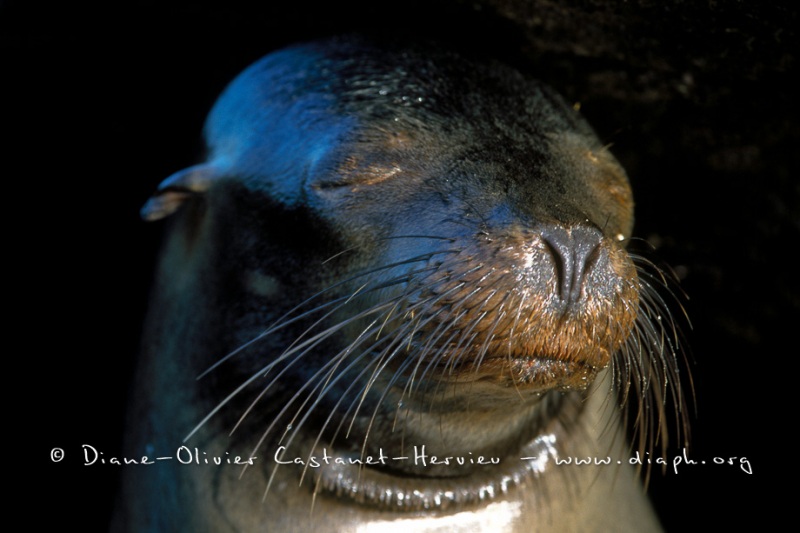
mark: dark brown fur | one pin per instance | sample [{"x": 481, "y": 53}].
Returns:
[{"x": 389, "y": 248}]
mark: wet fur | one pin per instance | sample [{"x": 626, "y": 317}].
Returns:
[{"x": 372, "y": 265}]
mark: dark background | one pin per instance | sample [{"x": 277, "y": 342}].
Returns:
[{"x": 102, "y": 100}]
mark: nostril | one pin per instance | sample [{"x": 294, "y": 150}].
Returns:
[{"x": 575, "y": 252}]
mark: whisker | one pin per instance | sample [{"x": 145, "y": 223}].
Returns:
[{"x": 285, "y": 321}]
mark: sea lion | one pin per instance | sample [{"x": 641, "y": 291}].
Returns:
[{"x": 394, "y": 295}]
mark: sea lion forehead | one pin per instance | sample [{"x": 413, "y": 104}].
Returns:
[
  {"x": 372, "y": 80},
  {"x": 309, "y": 82},
  {"x": 322, "y": 113}
]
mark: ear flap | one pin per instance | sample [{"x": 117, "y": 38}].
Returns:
[{"x": 177, "y": 188}]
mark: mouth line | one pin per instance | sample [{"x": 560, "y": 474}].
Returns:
[{"x": 540, "y": 372}]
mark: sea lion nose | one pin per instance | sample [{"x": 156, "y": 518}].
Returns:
[{"x": 575, "y": 251}]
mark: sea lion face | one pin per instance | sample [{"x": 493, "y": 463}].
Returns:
[{"x": 402, "y": 250}]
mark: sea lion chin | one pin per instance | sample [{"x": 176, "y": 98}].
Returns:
[{"x": 393, "y": 253}]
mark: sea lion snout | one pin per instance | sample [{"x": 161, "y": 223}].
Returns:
[{"x": 536, "y": 309}]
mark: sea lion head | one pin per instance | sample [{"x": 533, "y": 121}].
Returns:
[{"x": 406, "y": 249}]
